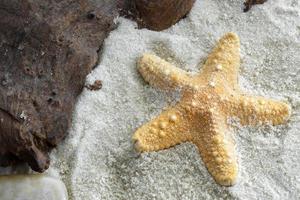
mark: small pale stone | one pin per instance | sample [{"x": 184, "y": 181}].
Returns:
[{"x": 32, "y": 187}]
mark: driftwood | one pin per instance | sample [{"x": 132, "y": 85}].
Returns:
[{"x": 46, "y": 50}]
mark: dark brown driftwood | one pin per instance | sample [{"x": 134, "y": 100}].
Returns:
[
  {"x": 157, "y": 14},
  {"x": 47, "y": 47},
  {"x": 46, "y": 50},
  {"x": 249, "y": 3}
]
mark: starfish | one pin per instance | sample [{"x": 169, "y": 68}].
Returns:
[{"x": 208, "y": 100}]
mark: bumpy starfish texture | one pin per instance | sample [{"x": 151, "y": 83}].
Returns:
[{"x": 208, "y": 99}]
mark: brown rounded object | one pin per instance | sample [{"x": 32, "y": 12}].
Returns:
[{"x": 161, "y": 14}]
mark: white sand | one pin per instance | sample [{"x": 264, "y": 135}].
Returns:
[{"x": 97, "y": 160}]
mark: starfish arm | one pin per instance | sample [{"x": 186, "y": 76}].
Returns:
[
  {"x": 217, "y": 148},
  {"x": 171, "y": 127},
  {"x": 158, "y": 72},
  {"x": 255, "y": 110},
  {"x": 224, "y": 61}
]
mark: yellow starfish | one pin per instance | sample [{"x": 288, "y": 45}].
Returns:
[{"x": 208, "y": 100}]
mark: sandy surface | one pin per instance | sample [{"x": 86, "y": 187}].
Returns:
[{"x": 97, "y": 160}]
